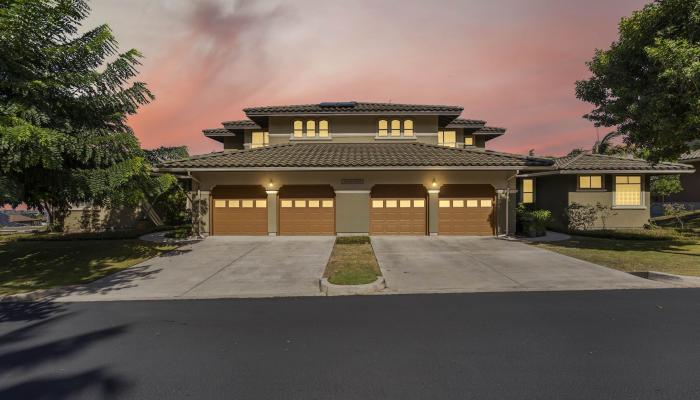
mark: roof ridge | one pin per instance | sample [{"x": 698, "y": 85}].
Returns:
[{"x": 574, "y": 158}]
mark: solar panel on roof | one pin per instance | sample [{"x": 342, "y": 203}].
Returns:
[{"x": 338, "y": 104}]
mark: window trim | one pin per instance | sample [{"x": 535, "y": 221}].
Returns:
[
  {"x": 600, "y": 189},
  {"x": 523, "y": 192},
  {"x": 642, "y": 194}
]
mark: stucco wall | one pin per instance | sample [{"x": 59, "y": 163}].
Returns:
[
  {"x": 353, "y": 208},
  {"x": 100, "y": 219},
  {"x": 550, "y": 190}
]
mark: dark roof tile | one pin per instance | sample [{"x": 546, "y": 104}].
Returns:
[
  {"x": 240, "y": 124},
  {"x": 599, "y": 162},
  {"x": 353, "y": 108}
]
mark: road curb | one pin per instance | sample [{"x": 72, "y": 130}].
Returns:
[
  {"x": 680, "y": 280},
  {"x": 330, "y": 289}
]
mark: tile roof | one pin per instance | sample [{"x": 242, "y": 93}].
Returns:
[
  {"x": 692, "y": 155},
  {"x": 490, "y": 130},
  {"x": 352, "y": 108},
  {"x": 218, "y": 132},
  {"x": 240, "y": 124},
  {"x": 356, "y": 155},
  {"x": 599, "y": 162},
  {"x": 469, "y": 123}
]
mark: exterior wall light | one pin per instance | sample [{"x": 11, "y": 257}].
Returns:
[
  {"x": 434, "y": 184},
  {"x": 270, "y": 184}
]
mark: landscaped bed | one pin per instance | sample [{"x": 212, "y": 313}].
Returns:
[
  {"x": 29, "y": 265},
  {"x": 668, "y": 252},
  {"x": 352, "y": 262}
]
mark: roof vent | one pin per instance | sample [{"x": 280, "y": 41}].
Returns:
[{"x": 344, "y": 104}]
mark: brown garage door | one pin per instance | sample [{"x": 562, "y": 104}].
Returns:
[
  {"x": 307, "y": 210},
  {"x": 466, "y": 210},
  {"x": 397, "y": 210},
  {"x": 239, "y": 210}
]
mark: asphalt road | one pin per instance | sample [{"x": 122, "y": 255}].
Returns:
[{"x": 633, "y": 344}]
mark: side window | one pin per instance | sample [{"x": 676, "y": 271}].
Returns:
[
  {"x": 323, "y": 128},
  {"x": 447, "y": 138},
  {"x": 590, "y": 182},
  {"x": 528, "y": 191},
  {"x": 310, "y": 128},
  {"x": 259, "y": 139},
  {"x": 468, "y": 140},
  {"x": 395, "y": 127}
]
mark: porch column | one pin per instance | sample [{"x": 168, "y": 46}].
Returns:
[
  {"x": 272, "y": 212},
  {"x": 200, "y": 211},
  {"x": 433, "y": 211}
]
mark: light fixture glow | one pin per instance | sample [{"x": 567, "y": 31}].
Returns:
[
  {"x": 434, "y": 184},
  {"x": 270, "y": 184}
]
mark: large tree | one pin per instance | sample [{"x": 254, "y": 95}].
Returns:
[
  {"x": 647, "y": 84},
  {"x": 65, "y": 95}
]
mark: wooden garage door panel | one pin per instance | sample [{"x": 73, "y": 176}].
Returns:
[
  {"x": 463, "y": 220},
  {"x": 305, "y": 220},
  {"x": 397, "y": 220},
  {"x": 230, "y": 220}
]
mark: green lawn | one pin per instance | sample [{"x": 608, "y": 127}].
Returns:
[
  {"x": 352, "y": 264},
  {"x": 678, "y": 256},
  {"x": 32, "y": 265}
]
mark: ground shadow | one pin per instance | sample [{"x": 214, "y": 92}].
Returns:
[
  {"x": 28, "y": 311},
  {"x": 67, "y": 387}
]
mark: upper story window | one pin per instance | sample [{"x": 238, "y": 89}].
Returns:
[
  {"x": 259, "y": 139},
  {"x": 590, "y": 182},
  {"x": 447, "y": 138},
  {"x": 395, "y": 128},
  {"x": 528, "y": 192},
  {"x": 468, "y": 140},
  {"x": 628, "y": 190},
  {"x": 311, "y": 128}
]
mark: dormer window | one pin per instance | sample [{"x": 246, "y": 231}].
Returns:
[
  {"x": 311, "y": 128},
  {"x": 395, "y": 128},
  {"x": 447, "y": 138},
  {"x": 468, "y": 140}
]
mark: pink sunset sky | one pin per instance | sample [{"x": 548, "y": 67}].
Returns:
[{"x": 510, "y": 62}]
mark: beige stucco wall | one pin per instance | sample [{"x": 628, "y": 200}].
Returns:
[
  {"x": 352, "y": 212},
  {"x": 100, "y": 219}
]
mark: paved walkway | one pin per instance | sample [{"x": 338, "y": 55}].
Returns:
[
  {"x": 432, "y": 264},
  {"x": 220, "y": 266}
]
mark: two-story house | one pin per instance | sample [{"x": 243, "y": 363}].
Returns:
[{"x": 373, "y": 168}]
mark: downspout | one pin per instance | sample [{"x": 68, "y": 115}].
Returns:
[{"x": 517, "y": 172}]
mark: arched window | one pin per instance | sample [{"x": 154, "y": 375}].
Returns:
[
  {"x": 323, "y": 128},
  {"x": 408, "y": 127},
  {"x": 298, "y": 129},
  {"x": 383, "y": 128},
  {"x": 310, "y": 128},
  {"x": 395, "y": 127}
]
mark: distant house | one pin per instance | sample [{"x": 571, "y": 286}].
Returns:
[
  {"x": 16, "y": 218},
  {"x": 691, "y": 182}
]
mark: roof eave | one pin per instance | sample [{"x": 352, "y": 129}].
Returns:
[
  {"x": 610, "y": 171},
  {"x": 416, "y": 168}
]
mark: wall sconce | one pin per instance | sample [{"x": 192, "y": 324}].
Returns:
[
  {"x": 434, "y": 184},
  {"x": 270, "y": 184}
]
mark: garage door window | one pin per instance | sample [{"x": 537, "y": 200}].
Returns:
[
  {"x": 444, "y": 204},
  {"x": 418, "y": 203},
  {"x": 234, "y": 203},
  {"x": 472, "y": 203},
  {"x": 487, "y": 203},
  {"x": 314, "y": 204},
  {"x": 391, "y": 203},
  {"x": 286, "y": 203},
  {"x": 327, "y": 203},
  {"x": 247, "y": 203},
  {"x": 299, "y": 203},
  {"x": 261, "y": 203},
  {"x": 220, "y": 203},
  {"x": 404, "y": 203},
  {"x": 377, "y": 203}
]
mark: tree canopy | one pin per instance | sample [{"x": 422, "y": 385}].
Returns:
[
  {"x": 65, "y": 95},
  {"x": 647, "y": 84}
]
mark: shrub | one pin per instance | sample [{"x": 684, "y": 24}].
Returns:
[
  {"x": 580, "y": 217},
  {"x": 675, "y": 211},
  {"x": 352, "y": 239},
  {"x": 533, "y": 222}
]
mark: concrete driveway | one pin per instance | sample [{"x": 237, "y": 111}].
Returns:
[
  {"x": 220, "y": 266},
  {"x": 483, "y": 264}
]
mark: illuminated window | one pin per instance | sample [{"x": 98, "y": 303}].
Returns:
[
  {"x": 247, "y": 203},
  {"x": 391, "y": 203},
  {"x": 286, "y": 204},
  {"x": 395, "y": 127},
  {"x": 628, "y": 190},
  {"x": 300, "y": 203},
  {"x": 590, "y": 182},
  {"x": 447, "y": 138},
  {"x": 261, "y": 203},
  {"x": 310, "y": 128},
  {"x": 259, "y": 139},
  {"x": 405, "y": 203},
  {"x": 457, "y": 203},
  {"x": 314, "y": 204},
  {"x": 298, "y": 129},
  {"x": 468, "y": 140},
  {"x": 234, "y": 203},
  {"x": 444, "y": 204},
  {"x": 323, "y": 128},
  {"x": 327, "y": 203},
  {"x": 418, "y": 203},
  {"x": 220, "y": 203},
  {"x": 408, "y": 127},
  {"x": 472, "y": 203},
  {"x": 487, "y": 203},
  {"x": 528, "y": 191},
  {"x": 377, "y": 203},
  {"x": 382, "y": 128}
]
